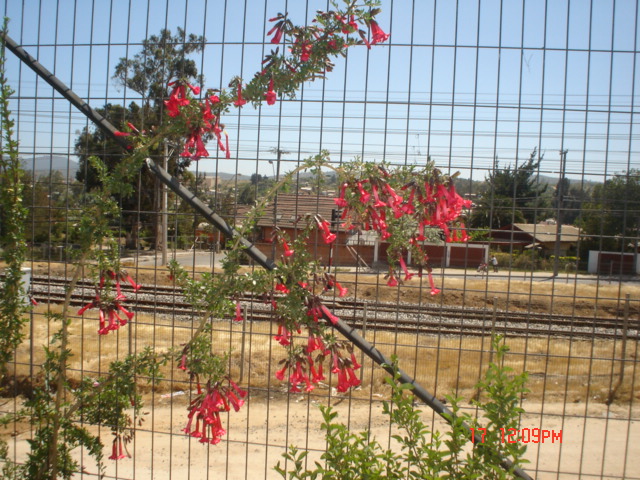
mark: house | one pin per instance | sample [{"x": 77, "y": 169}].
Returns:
[
  {"x": 465, "y": 255},
  {"x": 351, "y": 248},
  {"x": 291, "y": 213},
  {"x": 541, "y": 236}
]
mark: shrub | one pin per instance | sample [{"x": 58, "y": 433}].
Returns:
[{"x": 421, "y": 453}]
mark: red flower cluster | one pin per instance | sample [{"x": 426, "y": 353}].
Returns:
[
  {"x": 301, "y": 367},
  {"x": 194, "y": 146},
  {"x": 304, "y": 370},
  {"x": 121, "y": 276},
  {"x": 283, "y": 337},
  {"x": 345, "y": 369},
  {"x": 206, "y": 407},
  {"x": 208, "y": 122},
  {"x": 431, "y": 205},
  {"x": 111, "y": 306},
  {"x": 119, "y": 449},
  {"x": 430, "y": 202},
  {"x": 348, "y": 27},
  {"x": 320, "y": 41},
  {"x": 178, "y": 97}
]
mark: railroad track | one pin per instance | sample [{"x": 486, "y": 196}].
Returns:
[{"x": 401, "y": 318}]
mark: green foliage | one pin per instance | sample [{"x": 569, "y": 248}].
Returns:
[
  {"x": 613, "y": 215},
  {"x": 512, "y": 195},
  {"x": 421, "y": 453},
  {"x": 50, "y": 418},
  {"x": 106, "y": 401},
  {"x": 12, "y": 229},
  {"x": 55, "y": 409},
  {"x": 574, "y": 203},
  {"x": 527, "y": 261},
  {"x": 533, "y": 260},
  {"x": 502, "y": 411},
  {"x": 348, "y": 455},
  {"x": 163, "y": 58},
  {"x": 286, "y": 65},
  {"x": 95, "y": 143},
  {"x": 256, "y": 189}
]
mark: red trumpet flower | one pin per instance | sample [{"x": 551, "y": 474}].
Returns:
[
  {"x": 277, "y": 31},
  {"x": 238, "y": 317},
  {"x": 118, "y": 450},
  {"x": 377, "y": 35},
  {"x": 326, "y": 231},
  {"x": 240, "y": 101},
  {"x": 206, "y": 408},
  {"x": 270, "y": 96},
  {"x": 287, "y": 250},
  {"x": 340, "y": 201}
]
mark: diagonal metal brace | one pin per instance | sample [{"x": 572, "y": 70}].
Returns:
[{"x": 174, "y": 184}]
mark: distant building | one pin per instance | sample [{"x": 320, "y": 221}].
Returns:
[
  {"x": 541, "y": 236},
  {"x": 292, "y": 212},
  {"x": 210, "y": 182},
  {"x": 354, "y": 247}
]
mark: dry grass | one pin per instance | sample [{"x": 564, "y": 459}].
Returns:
[
  {"x": 538, "y": 295},
  {"x": 559, "y": 369},
  {"x": 519, "y": 293},
  {"x": 573, "y": 370}
]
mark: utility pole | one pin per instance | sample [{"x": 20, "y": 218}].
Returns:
[
  {"x": 279, "y": 152},
  {"x": 559, "y": 205},
  {"x": 163, "y": 209}
]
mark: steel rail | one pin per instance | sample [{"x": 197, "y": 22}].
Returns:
[
  {"x": 441, "y": 325},
  {"x": 463, "y": 313},
  {"x": 386, "y": 314},
  {"x": 174, "y": 184}
]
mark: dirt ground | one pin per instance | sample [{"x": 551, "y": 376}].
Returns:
[
  {"x": 569, "y": 379},
  {"x": 596, "y": 441}
]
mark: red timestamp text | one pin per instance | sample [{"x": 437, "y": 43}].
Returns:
[{"x": 523, "y": 435}]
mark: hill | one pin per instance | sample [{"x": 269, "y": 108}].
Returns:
[{"x": 45, "y": 164}]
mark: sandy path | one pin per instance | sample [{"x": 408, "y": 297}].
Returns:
[{"x": 604, "y": 444}]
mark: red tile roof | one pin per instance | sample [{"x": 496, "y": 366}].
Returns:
[{"x": 291, "y": 208}]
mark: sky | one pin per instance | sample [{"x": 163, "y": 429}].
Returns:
[{"x": 472, "y": 84}]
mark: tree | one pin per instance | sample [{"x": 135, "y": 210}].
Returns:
[
  {"x": 258, "y": 185},
  {"x": 163, "y": 58},
  {"x": 574, "y": 198},
  {"x": 47, "y": 198},
  {"x": 613, "y": 215},
  {"x": 512, "y": 195}
]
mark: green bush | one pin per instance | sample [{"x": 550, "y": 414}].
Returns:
[{"x": 421, "y": 453}]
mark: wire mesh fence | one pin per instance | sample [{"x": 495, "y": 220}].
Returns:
[{"x": 532, "y": 103}]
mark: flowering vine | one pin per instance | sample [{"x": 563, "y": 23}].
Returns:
[
  {"x": 398, "y": 204},
  {"x": 109, "y": 304},
  {"x": 303, "y": 53},
  {"x": 296, "y": 290}
]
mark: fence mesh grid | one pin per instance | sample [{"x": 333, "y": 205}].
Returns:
[{"x": 485, "y": 88}]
